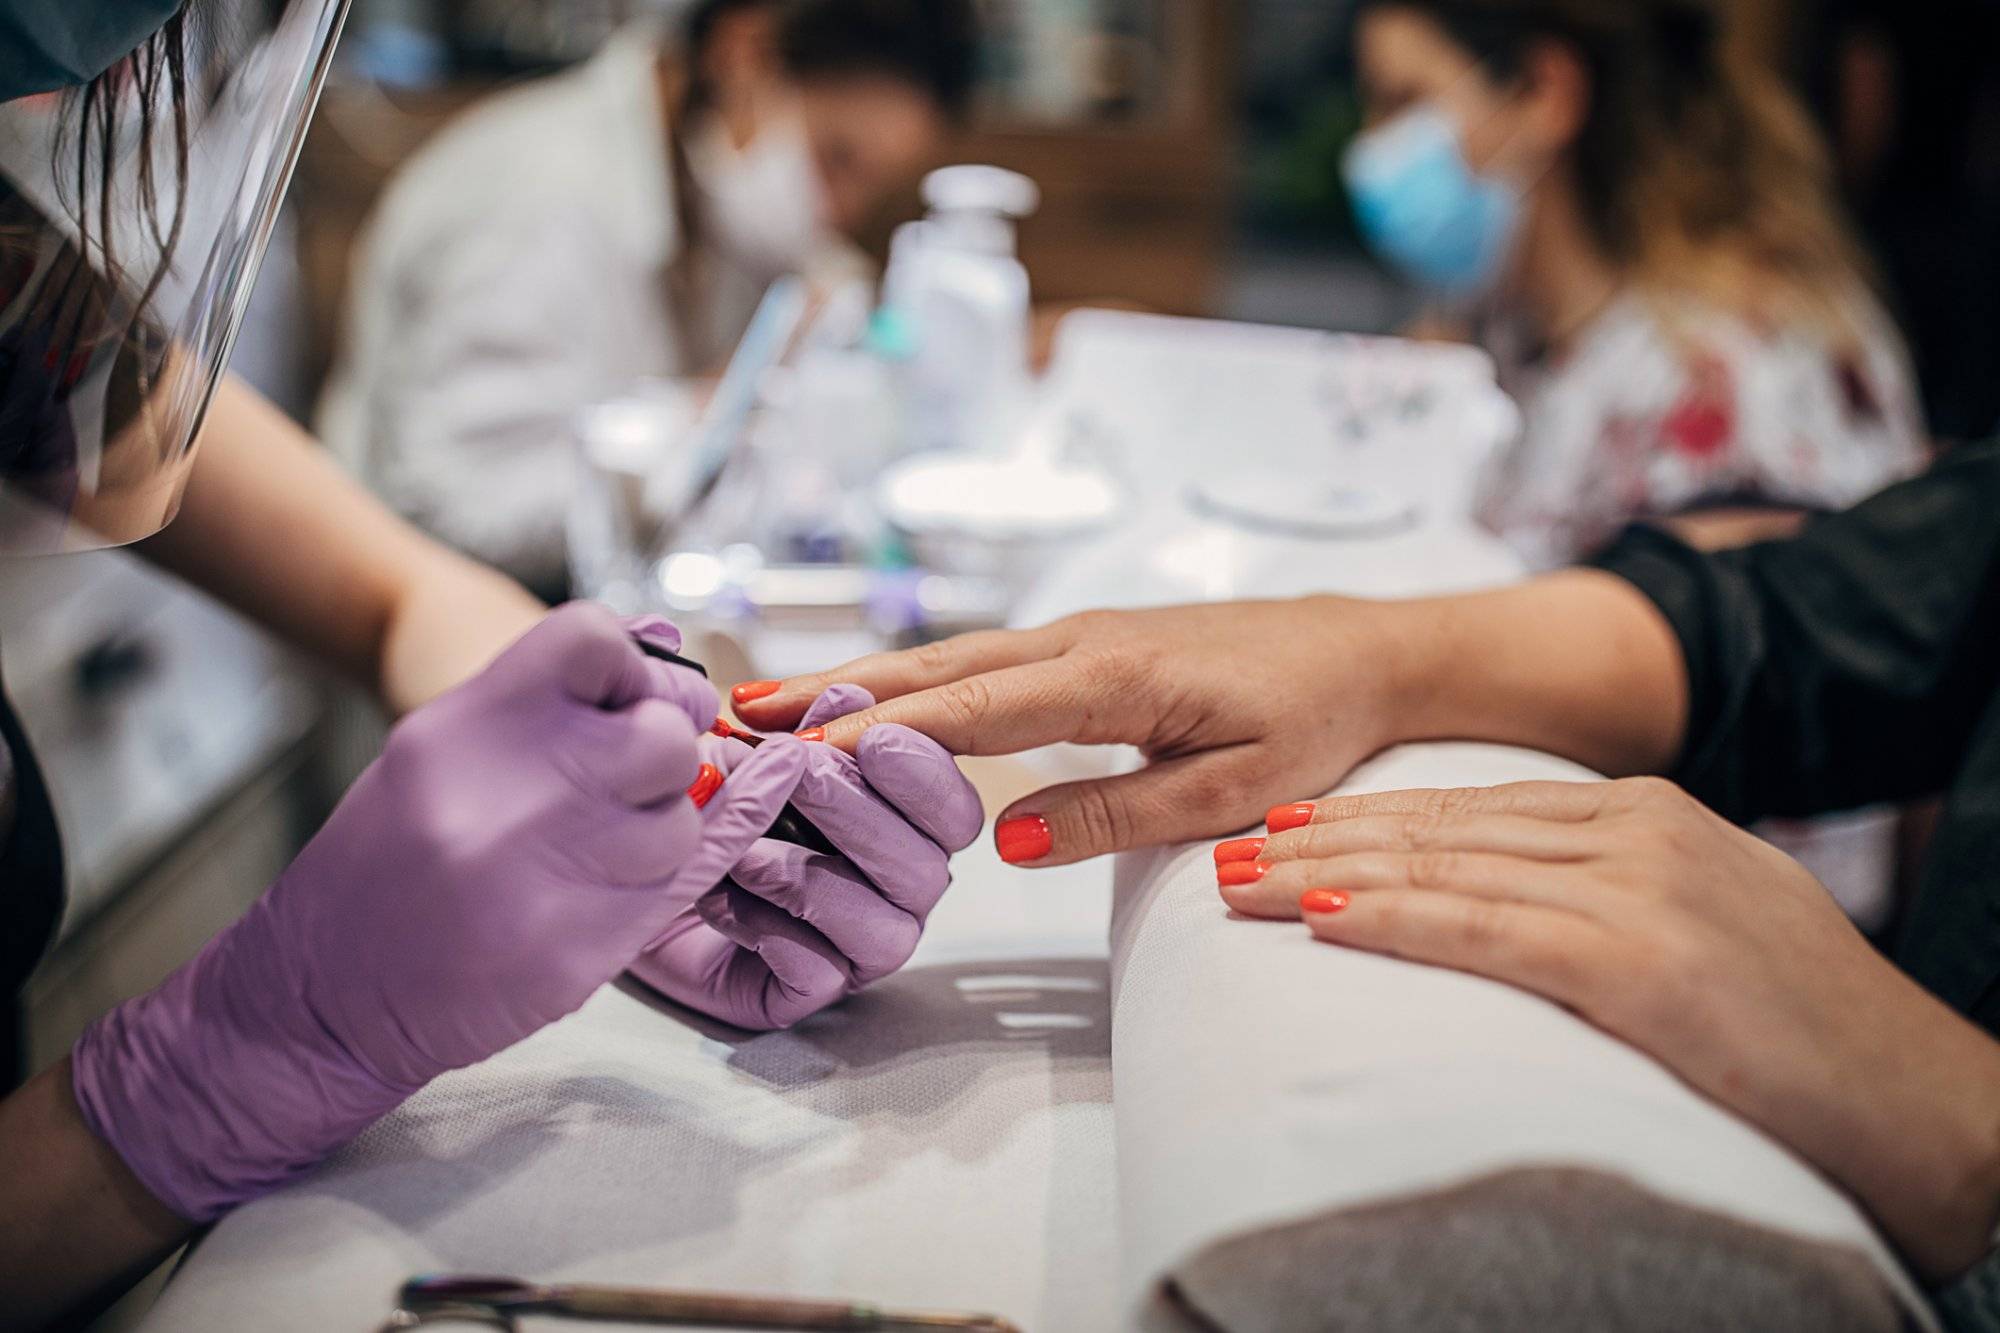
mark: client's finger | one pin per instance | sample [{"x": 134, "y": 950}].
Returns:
[
  {"x": 1551, "y": 953},
  {"x": 1166, "y": 801},
  {"x": 1566, "y": 801},
  {"x": 1011, "y": 710},
  {"x": 1256, "y": 890},
  {"x": 1515, "y": 835},
  {"x": 773, "y": 704}
]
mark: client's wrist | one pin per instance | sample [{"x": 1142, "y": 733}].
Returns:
[
  {"x": 1577, "y": 663},
  {"x": 1920, "y": 1141},
  {"x": 1403, "y": 651},
  {"x": 1966, "y": 1210}
]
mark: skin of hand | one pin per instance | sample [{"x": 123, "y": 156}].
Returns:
[
  {"x": 792, "y": 930},
  {"x": 1238, "y": 705},
  {"x": 1655, "y": 919},
  {"x": 272, "y": 526},
  {"x": 1193, "y": 687}
]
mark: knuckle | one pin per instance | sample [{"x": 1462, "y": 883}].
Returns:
[
  {"x": 1414, "y": 833},
  {"x": 1653, "y": 792},
  {"x": 1430, "y": 869},
  {"x": 1389, "y": 919},
  {"x": 1088, "y": 624},
  {"x": 966, "y": 704},
  {"x": 1483, "y": 927},
  {"x": 1104, "y": 819},
  {"x": 1338, "y": 809},
  {"x": 1314, "y": 840},
  {"x": 934, "y": 658},
  {"x": 1455, "y": 801},
  {"x": 1105, "y": 669}
]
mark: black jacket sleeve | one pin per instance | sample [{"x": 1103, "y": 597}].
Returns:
[{"x": 1847, "y": 665}]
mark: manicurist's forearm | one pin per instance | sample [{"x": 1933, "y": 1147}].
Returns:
[
  {"x": 273, "y": 527},
  {"x": 1578, "y": 663},
  {"x": 81, "y": 1228},
  {"x": 445, "y": 628}
]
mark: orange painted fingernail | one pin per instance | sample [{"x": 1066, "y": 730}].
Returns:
[
  {"x": 1026, "y": 838},
  {"x": 1284, "y": 817},
  {"x": 1237, "y": 873},
  {"x": 813, "y": 734},
  {"x": 1322, "y": 902},
  {"x": 750, "y": 691},
  {"x": 706, "y": 784},
  {"x": 1241, "y": 849}
]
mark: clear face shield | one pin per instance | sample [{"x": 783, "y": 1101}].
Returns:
[{"x": 132, "y": 225}]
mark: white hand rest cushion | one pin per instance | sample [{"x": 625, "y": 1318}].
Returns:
[{"x": 1311, "y": 1137}]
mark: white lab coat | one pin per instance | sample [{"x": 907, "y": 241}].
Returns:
[{"x": 516, "y": 271}]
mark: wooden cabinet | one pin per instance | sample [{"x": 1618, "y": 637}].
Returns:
[{"x": 1136, "y": 201}]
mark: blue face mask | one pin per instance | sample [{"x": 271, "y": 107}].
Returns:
[
  {"x": 1424, "y": 210},
  {"x": 50, "y": 44}
]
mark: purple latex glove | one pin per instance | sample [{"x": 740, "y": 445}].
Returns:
[
  {"x": 516, "y": 845},
  {"x": 794, "y": 931}
]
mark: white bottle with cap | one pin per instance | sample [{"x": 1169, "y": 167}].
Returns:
[{"x": 956, "y": 281}]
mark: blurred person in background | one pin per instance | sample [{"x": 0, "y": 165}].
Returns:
[
  {"x": 614, "y": 223},
  {"x": 1641, "y": 229}
]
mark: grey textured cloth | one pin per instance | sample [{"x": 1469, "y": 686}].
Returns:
[{"x": 1539, "y": 1250}]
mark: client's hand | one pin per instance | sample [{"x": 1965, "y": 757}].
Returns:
[
  {"x": 1236, "y": 705},
  {"x": 520, "y": 840},
  {"x": 793, "y": 931},
  {"x": 1651, "y": 916}
]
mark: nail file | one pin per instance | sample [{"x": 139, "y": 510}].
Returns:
[
  {"x": 790, "y": 826},
  {"x": 498, "y": 1300}
]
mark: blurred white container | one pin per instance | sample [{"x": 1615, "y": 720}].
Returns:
[
  {"x": 1009, "y": 519},
  {"x": 957, "y": 285}
]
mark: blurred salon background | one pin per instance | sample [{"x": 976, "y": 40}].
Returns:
[{"x": 1185, "y": 158}]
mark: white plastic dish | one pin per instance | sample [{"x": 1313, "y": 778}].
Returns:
[{"x": 997, "y": 517}]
